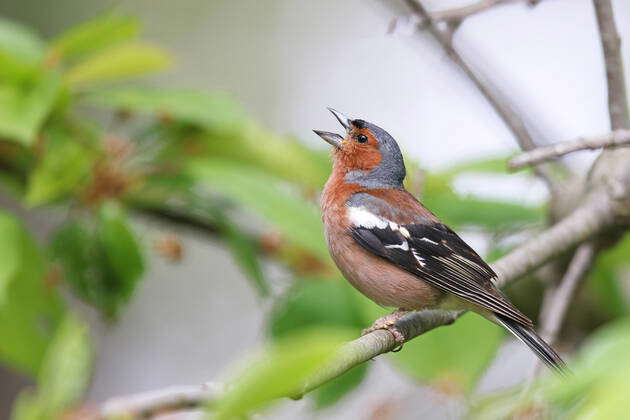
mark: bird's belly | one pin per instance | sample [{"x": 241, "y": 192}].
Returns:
[{"x": 381, "y": 281}]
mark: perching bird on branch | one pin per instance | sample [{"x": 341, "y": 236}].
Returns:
[{"x": 395, "y": 251}]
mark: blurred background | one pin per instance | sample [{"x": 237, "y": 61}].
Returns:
[{"x": 159, "y": 182}]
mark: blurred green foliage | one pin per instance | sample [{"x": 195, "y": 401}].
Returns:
[
  {"x": 63, "y": 376},
  {"x": 78, "y": 139},
  {"x": 101, "y": 258},
  {"x": 595, "y": 390},
  {"x": 277, "y": 370},
  {"x": 322, "y": 303},
  {"x": 30, "y": 309},
  {"x": 452, "y": 369}
]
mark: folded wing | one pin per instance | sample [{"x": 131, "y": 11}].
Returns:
[{"x": 434, "y": 253}]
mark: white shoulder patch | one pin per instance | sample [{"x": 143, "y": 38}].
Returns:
[{"x": 359, "y": 216}]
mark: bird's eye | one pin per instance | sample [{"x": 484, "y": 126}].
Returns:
[{"x": 362, "y": 138}]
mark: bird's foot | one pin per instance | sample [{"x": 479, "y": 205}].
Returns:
[{"x": 388, "y": 322}]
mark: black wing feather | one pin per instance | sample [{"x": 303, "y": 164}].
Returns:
[
  {"x": 370, "y": 241},
  {"x": 437, "y": 255}
]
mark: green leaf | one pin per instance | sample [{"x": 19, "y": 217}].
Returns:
[
  {"x": 298, "y": 221},
  {"x": 607, "y": 282},
  {"x": 73, "y": 245},
  {"x": 245, "y": 251},
  {"x": 66, "y": 370},
  {"x": 20, "y": 51},
  {"x": 454, "y": 356},
  {"x": 505, "y": 405},
  {"x": 258, "y": 147},
  {"x": 279, "y": 370},
  {"x": 11, "y": 237},
  {"x": 20, "y": 41},
  {"x": 11, "y": 186},
  {"x": 101, "y": 259},
  {"x": 605, "y": 402},
  {"x": 24, "y": 106},
  {"x": 26, "y": 407},
  {"x": 322, "y": 303},
  {"x": 492, "y": 215},
  {"x": 121, "y": 248},
  {"x": 64, "y": 375},
  {"x": 606, "y": 289},
  {"x": 29, "y": 311},
  {"x": 330, "y": 393},
  {"x": 495, "y": 165},
  {"x": 229, "y": 134},
  {"x": 315, "y": 302},
  {"x": 117, "y": 63},
  {"x": 94, "y": 35},
  {"x": 65, "y": 166},
  {"x": 596, "y": 388},
  {"x": 210, "y": 111}
]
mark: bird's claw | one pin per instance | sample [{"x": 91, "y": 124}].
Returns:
[{"x": 388, "y": 322}]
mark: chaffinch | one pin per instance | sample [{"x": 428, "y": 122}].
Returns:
[{"x": 395, "y": 251}]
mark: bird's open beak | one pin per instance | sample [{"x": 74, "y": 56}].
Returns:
[
  {"x": 331, "y": 138},
  {"x": 345, "y": 121}
]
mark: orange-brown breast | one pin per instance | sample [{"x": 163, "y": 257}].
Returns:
[
  {"x": 336, "y": 192},
  {"x": 376, "y": 278}
]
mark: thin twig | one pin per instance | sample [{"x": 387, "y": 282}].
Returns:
[
  {"x": 611, "y": 45},
  {"x": 511, "y": 119},
  {"x": 452, "y": 17},
  {"x": 593, "y": 217},
  {"x": 177, "y": 216},
  {"x": 163, "y": 401},
  {"x": 553, "y": 151},
  {"x": 461, "y": 13},
  {"x": 555, "y": 308},
  {"x": 557, "y": 298}
]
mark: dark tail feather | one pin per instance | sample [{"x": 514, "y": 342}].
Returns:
[{"x": 543, "y": 350}]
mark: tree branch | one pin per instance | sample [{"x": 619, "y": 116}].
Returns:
[
  {"x": 163, "y": 401},
  {"x": 379, "y": 342},
  {"x": 545, "y": 153},
  {"x": 594, "y": 216},
  {"x": 557, "y": 299},
  {"x": 555, "y": 307},
  {"x": 461, "y": 13},
  {"x": 611, "y": 169},
  {"x": 611, "y": 45},
  {"x": 511, "y": 119}
]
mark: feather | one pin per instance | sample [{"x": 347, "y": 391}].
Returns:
[
  {"x": 435, "y": 254},
  {"x": 540, "y": 348}
]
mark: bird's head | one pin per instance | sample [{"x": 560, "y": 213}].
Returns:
[{"x": 367, "y": 154}]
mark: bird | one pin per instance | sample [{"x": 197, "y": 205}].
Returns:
[{"x": 395, "y": 251}]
